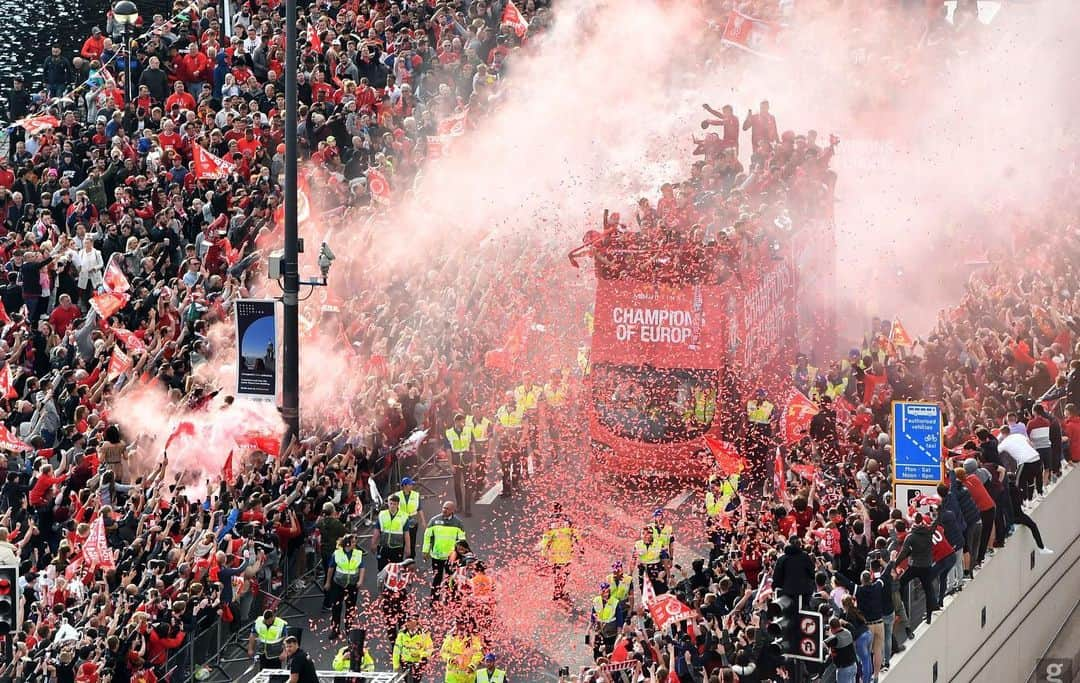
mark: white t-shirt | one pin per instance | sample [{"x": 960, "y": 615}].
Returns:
[{"x": 1017, "y": 447}]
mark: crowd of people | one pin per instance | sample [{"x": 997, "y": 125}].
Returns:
[{"x": 125, "y": 248}]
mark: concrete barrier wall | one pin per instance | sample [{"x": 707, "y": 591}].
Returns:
[{"x": 996, "y": 629}]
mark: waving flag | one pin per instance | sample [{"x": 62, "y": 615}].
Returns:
[
  {"x": 131, "y": 342},
  {"x": 7, "y": 383},
  {"x": 227, "y": 470},
  {"x": 512, "y": 15},
  {"x": 313, "y": 38},
  {"x": 108, "y": 303},
  {"x": 210, "y": 167},
  {"x": 453, "y": 125},
  {"x": 96, "y": 548},
  {"x": 184, "y": 430},
  {"x": 378, "y": 186},
  {"x": 899, "y": 336},
  {"x": 752, "y": 35},
  {"x": 35, "y": 124},
  {"x": 727, "y": 458},
  {"x": 9, "y": 442},
  {"x": 267, "y": 442},
  {"x": 797, "y": 415},
  {"x": 4, "y": 317},
  {"x": 665, "y": 609},
  {"x": 118, "y": 364},
  {"x": 115, "y": 280},
  {"x": 779, "y": 476}
]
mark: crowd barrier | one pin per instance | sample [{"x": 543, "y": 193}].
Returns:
[{"x": 999, "y": 626}]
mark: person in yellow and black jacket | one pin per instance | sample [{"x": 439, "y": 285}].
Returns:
[
  {"x": 412, "y": 650},
  {"x": 509, "y": 444},
  {"x": 481, "y": 429},
  {"x": 527, "y": 399},
  {"x": 558, "y": 547},
  {"x": 343, "y": 580},
  {"x": 556, "y": 401},
  {"x": 462, "y": 651}
]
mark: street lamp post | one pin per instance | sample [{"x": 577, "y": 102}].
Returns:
[
  {"x": 127, "y": 14},
  {"x": 290, "y": 269}
]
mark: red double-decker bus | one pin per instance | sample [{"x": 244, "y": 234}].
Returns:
[{"x": 683, "y": 334}]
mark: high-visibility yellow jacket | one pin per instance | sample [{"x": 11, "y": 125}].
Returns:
[
  {"x": 557, "y": 544},
  {"x": 410, "y": 648},
  {"x": 462, "y": 655}
]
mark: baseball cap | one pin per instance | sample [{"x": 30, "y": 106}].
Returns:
[
  {"x": 407, "y": 481},
  {"x": 489, "y": 657}
]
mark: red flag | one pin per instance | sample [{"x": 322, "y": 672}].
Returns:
[
  {"x": 115, "y": 280},
  {"x": 266, "y": 442},
  {"x": 227, "y": 470},
  {"x": 9, "y": 442},
  {"x": 899, "y": 336},
  {"x": 512, "y": 15},
  {"x": 4, "y": 317},
  {"x": 797, "y": 415},
  {"x": 210, "y": 167},
  {"x": 118, "y": 364},
  {"x": 185, "y": 429},
  {"x": 313, "y": 38},
  {"x": 35, "y": 124},
  {"x": 131, "y": 342},
  {"x": 806, "y": 471},
  {"x": 7, "y": 383},
  {"x": 778, "y": 473},
  {"x": 727, "y": 458},
  {"x": 453, "y": 125},
  {"x": 378, "y": 186},
  {"x": 753, "y": 35},
  {"x": 96, "y": 548},
  {"x": 108, "y": 303},
  {"x": 876, "y": 389},
  {"x": 845, "y": 410},
  {"x": 665, "y": 609}
]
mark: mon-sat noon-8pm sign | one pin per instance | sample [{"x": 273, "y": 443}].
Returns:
[{"x": 916, "y": 442}]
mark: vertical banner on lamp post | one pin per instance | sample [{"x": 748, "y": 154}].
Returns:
[{"x": 256, "y": 346}]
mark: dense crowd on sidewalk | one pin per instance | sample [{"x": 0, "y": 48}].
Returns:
[{"x": 123, "y": 248}]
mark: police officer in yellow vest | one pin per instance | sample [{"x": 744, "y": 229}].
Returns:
[
  {"x": 721, "y": 495},
  {"x": 459, "y": 441},
  {"x": 803, "y": 374},
  {"x": 509, "y": 419},
  {"x": 704, "y": 405},
  {"x": 343, "y": 580},
  {"x": 759, "y": 415},
  {"x": 410, "y": 504},
  {"x": 412, "y": 650},
  {"x": 555, "y": 417},
  {"x": 490, "y": 674},
  {"x": 621, "y": 586},
  {"x": 443, "y": 533},
  {"x": 606, "y": 618},
  {"x": 557, "y": 547},
  {"x": 480, "y": 428},
  {"x": 650, "y": 555},
  {"x": 462, "y": 651},
  {"x": 344, "y": 658},
  {"x": 267, "y": 636},
  {"x": 391, "y": 536},
  {"x": 527, "y": 399},
  {"x": 836, "y": 382}
]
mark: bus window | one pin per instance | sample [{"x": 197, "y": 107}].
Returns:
[{"x": 654, "y": 405}]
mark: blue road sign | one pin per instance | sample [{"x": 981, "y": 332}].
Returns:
[{"x": 916, "y": 442}]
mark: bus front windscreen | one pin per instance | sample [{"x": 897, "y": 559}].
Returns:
[{"x": 654, "y": 405}]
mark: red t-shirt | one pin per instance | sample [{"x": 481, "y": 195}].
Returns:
[{"x": 978, "y": 493}]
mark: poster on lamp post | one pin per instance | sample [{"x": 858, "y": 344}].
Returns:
[{"x": 256, "y": 346}]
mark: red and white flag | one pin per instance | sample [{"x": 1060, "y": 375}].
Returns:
[
  {"x": 512, "y": 15},
  {"x": 108, "y": 303},
  {"x": 756, "y": 36},
  {"x": 115, "y": 280},
  {"x": 130, "y": 341},
  {"x": 453, "y": 125},
  {"x": 378, "y": 186},
  {"x": 96, "y": 548},
  {"x": 779, "y": 476},
  {"x": 118, "y": 364},
  {"x": 7, "y": 382},
  {"x": 209, "y": 166},
  {"x": 899, "y": 336},
  {"x": 184, "y": 430},
  {"x": 797, "y": 415},
  {"x": 313, "y": 38},
  {"x": 35, "y": 124},
  {"x": 665, "y": 609},
  {"x": 9, "y": 442},
  {"x": 267, "y": 442}
]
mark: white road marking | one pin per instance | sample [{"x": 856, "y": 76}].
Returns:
[
  {"x": 678, "y": 500},
  {"x": 489, "y": 496}
]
